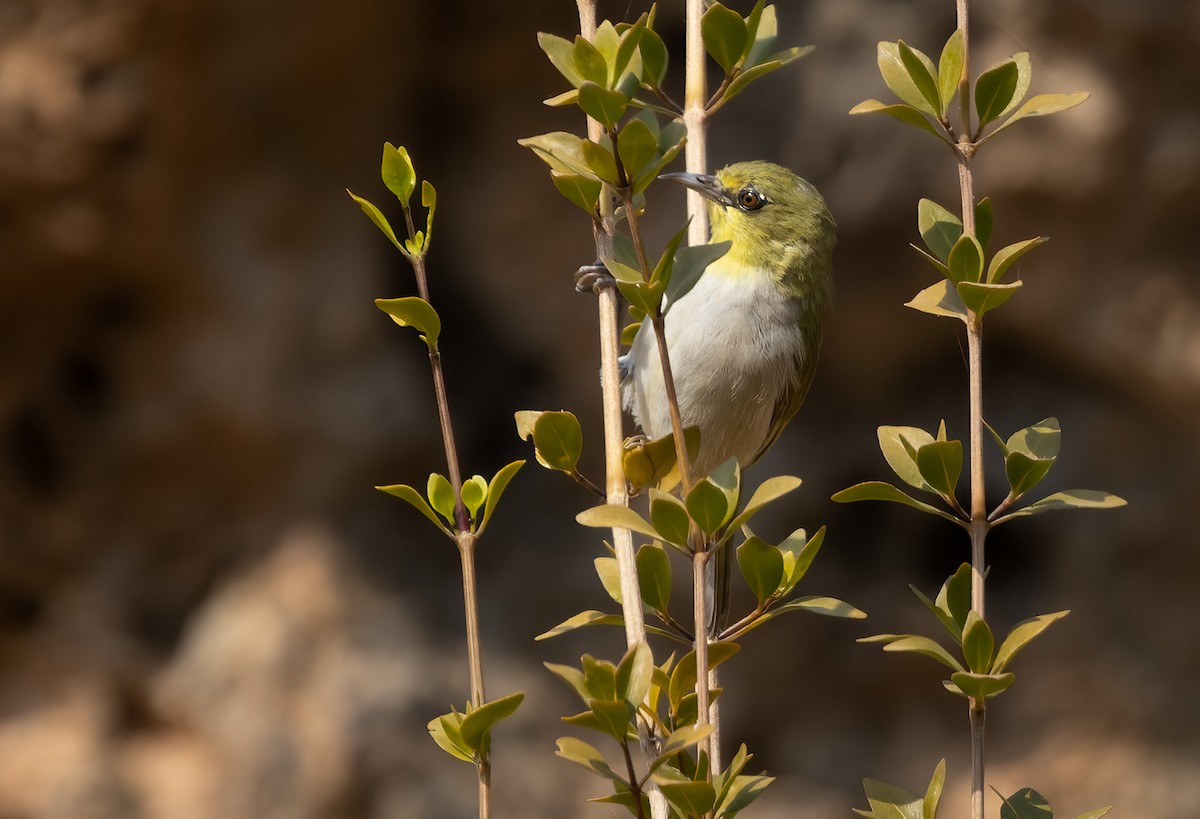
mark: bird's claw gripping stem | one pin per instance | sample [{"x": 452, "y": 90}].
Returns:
[{"x": 593, "y": 277}]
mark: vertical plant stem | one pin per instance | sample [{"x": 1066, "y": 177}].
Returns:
[
  {"x": 466, "y": 552},
  {"x": 610, "y": 385},
  {"x": 465, "y": 538},
  {"x": 695, "y": 119},
  {"x": 979, "y": 523}
]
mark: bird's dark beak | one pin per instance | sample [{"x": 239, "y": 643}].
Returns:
[{"x": 704, "y": 184}]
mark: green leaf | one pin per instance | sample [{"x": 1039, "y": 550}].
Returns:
[
  {"x": 770, "y": 490},
  {"x": 558, "y": 440},
  {"x": 637, "y": 145},
  {"x": 563, "y": 152},
  {"x": 889, "y": 802},
  {"x": 600, "y": 677},
  {"x": 905, "y": 113},
  {"x": 627, "y": 47},
  {"x": 669, "y": 517},
  {"x": 983, "y": 298},
  {"x": 1041, "y": 440},
  {"x": 690, "y": 263},
  {"x": 748, "y": 75},
  {"x": 915, "y": 644},
  {"x": 979, "y": 686},
  {"x": 601, "y": 104},
  {"x": 441, "y": 496},
  {"x": 984, "y": 219},
  {"x": 1024, "y": 78},
  {"x": 920, "y": 69},
  {"x": 827, "y": 606},
  {"x": 478, "y": 723},
  {"x": 1020, "y": 636},
  {"x": 397, "y": 172},
  {"x": 690, "y": 798},
  {"x": 881, "y": 491},
  {"x": 572, "y": 676},
  {"x": 899, "y": 446},
  {"x": 994, "y": 90},
  {"x": 581, "y": 753},
  {"x": 1071, "y": 499},
  {"x": 376, "y": 216},
  {"x": 978, "y": 644},
  {"x": 589, "y": 63},
  {"x": 1040, "y": 106},
  {"x": 954, "y": 597},
  {"x": 579, "y": 190},
  {"x": 678, "y": 740},
  {"x": 724, "y": 33},
  {"x": 496, "y": 489},
  {"x": 711, "y": 503},
  {"x": 940, "y": 464},
  {"x": 429, "y": 202},
  {"x": 474, "y": 493},
  {"x": 1025, "y": 804},
  {"x": 414, "y": 499},
  {"x": 761, "y": 565},
  {"x": 683, "y": 676},
  {"x": 654, "y": 58},
  {"x": 762, "y": 30},
  {"x": 933, "y": 794},
  {"x": 950, "y": 70},
  {"x": 1024, "y": 473},
  {"x": 446, "y": 731},
  {"x": 965, "y": 260},
  {"x": 943, "y": 615},
  {"x": 654, "y": 576},
  {"x": 614, "y": 516},
  {"x": 940, "y": 229},
  {"x": 660, "y": 278},
  {"x": 414, "y": 312},
  {"x": 584, "y": 618},
  {"x": 1094, "y": 814},
  {"x": 562, "y": 55},
  {"x": 1005, "y": 257},
  {"x": 609, "y": 573},
  {"x": 900, "y": 81},
  {"x": 799, "y": 551},
  {"x": 600, "y": 162},
  {"x": 940, "y": 299},
  {"x": 742, "y": 791}
]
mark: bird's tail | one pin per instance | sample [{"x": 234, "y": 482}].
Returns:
[{"x": 717, "y": 581}]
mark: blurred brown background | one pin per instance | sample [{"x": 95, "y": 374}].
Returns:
[{"x": 206, "y": 611}]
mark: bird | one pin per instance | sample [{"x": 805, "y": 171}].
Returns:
[{"x": 744, "y": 341}]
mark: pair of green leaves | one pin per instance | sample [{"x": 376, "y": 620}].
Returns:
[
  {"x": 674, "y": 275},
  {"x": 401, "y": 179},
  {"x": 934, "y": 465},
  {"x": 467, "y": 735},
  {"x": 927, "y": 92},
  {"x": 744, "y": 47},
  {"x": 477, "y": 494},
  {"x": 605, "y": 72},
  {"x": 890, "y": 802},
  {"x": 972, "y": 284},
  {"x": 983, "y": 669},
  {"x": 579, "y": 167}
]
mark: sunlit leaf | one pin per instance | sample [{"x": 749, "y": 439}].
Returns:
[
  {"x": 496, "y": 489},
  {"x": 683, "y": 676},
  {"x": 1020, "y": 636},
  {"x": 940, "y": 299},
  {"x": 950, "y": 69},
  {"x": 654, "y": 576},
  {"x": 589, "y": 63},
  {"x": 915, "y": 644},
  {"x": 900, "y": 81},
  {"x": 889, "y": 802},
  {"x": 654, "y": 58},
  {"x": 601, "y": 104},
  {"x": 965, "y": 260},
  {"x": 982, "y": 298},
  {"x": 761, "y": 565},
  {"x": 879, "y": 490},
  {"x": 978, "y": 644},
  {"x": 380, "y": 221},
  {"x": 669, "y": 517},
  {"x": 933, "y": 794},
  {"x": 680, "y": 739},
  {"x": 581, "y": 191},
  {"x": 940, "y": 464},
  {"x": 690, "y": 264},
  {"x": 1006, "y": 256},
  {"x": 637, "y": 145},
  {"x": 689, "y": 797},
  {"x": 581, "y": 753},
  {"x": 979, "y": 686},
  {"x": 474, "y": 493},
  {"x": 799, "y": 551},
  {"x": 561, "y": 54},
  {"x": 397, "y": 172},
  {"x": 446, "y": 731},
  {"x": 441, "y": 496},
  {"x": 749, "y": 75},
  {"x": 984, "y": 220},
  {"x": 1025, "y": 804},
  {"x": 614, "y": 516},
  {"x": 899, "y": 445},
  {"x": 769, "y": 490},
  {"x": 558, "y": 438},
  {"x": 479, "y": 722},
  {"x": 922, "y": 73},
  {"x": 994, "y": 90},
  {"x": 1071, "y": 499},
  {"x": 724, "y": 33},
  {"x": 1039, "y": 106},
  {"x": 939, "y": 228},
  {"x": 903, "y": 112},
  {"x": 414, "y": 499}
]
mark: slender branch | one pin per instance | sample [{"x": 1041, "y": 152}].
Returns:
[
  {"x": 466, "y": 552},
  {"x": 633, "y": 782},
  {"x": 979, "y": 522}
]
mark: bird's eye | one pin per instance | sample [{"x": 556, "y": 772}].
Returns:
[{"x": 750, "y": 199}]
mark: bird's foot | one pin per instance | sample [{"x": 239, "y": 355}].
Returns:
[
  {"x": 594, "y": 277},
  {"x": 638, "y": 441}
]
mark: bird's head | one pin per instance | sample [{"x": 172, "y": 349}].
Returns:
[{"x": 773, "y": 218}]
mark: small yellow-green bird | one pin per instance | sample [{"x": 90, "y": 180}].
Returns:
[{"x": 743, "y": 343}]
